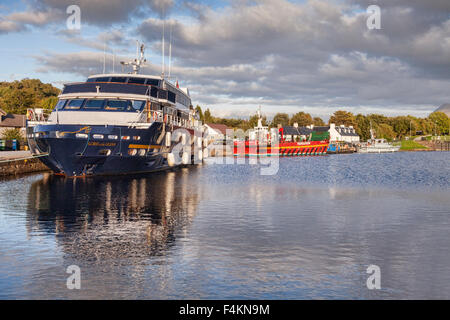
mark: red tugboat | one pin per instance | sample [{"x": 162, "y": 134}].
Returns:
[{"x": 288, "y": 141}]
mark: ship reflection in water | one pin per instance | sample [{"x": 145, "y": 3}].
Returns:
[
  {"x": 226, "y": 232},
  {"x": 111, "y": 225}
]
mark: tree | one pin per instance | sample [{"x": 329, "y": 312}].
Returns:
[
  {"x": 317, "y": 121},
  {"x": 280, "y": 118},
  {"x": 302, "y": 119},
  {"x": 385, "y": 131},
  {"x": 208, "y": 118},
  {"x": 49, "y": 103},
  {"x": 200, "y": 112},
  {"x": 363, "y": 127},
  {"x": 401, "y": 125},
  {"x": 253, "y": 121},
  {"x": 441, "y": 122},
  {"x": 17, "y": 96},
  {"x": 343, "y": 117},
  {"x": 11, "y": 134}
]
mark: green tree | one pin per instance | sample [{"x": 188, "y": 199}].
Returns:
[
  {"x": 280, "y": 118},
  {"x": 200, "y": 112},
  {"x": 440, "y": 122},
  {"x": 363, "y": 127},
  {"x": 253, "y": 121},
  {"x": 302, "y": 119},
  {"x": 385, "y": 131},
  {"x": 17, "y": 96},
  {"x": 11, "y": 134},
  {"x": 49, "y": 103},
  {"x": 317, "y": 121},
  {"x": 343, "y": 117},
  {"x": 208, "y": 118},
  {"x": 401, "y": 126}
]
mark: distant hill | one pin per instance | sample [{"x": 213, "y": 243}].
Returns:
[{"x": 445, "y": 108}]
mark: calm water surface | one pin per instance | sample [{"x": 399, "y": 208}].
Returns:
[{"x": 226, "y": 232}]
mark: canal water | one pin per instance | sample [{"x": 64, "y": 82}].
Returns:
[{"x": 228, "y": 232}]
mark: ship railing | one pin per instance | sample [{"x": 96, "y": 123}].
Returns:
[{"x": 37, "y": 115}]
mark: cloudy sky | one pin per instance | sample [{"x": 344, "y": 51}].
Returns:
[{"x": 234, "y": 55}]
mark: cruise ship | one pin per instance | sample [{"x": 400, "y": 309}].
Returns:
[{"x": 118, "y": 124}]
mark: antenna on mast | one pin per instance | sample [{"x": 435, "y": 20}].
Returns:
[
  {"x": 163, "y": 47},
  {"x": 114, "y": 62},
  {"x": 170, "y": 51},
  {"x": 139, "y": 61},
  {"x": 104, "y": 58}
]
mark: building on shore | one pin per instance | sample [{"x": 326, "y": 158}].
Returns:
[
  {"x": 12, "y": 121},
  {"x": 215, "y": 132},
  {"x": 337, "y": 133},
  {"x": 343, "y": 134},
  {"x": 298, "y": 134}
]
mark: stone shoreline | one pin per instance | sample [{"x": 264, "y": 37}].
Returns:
[{"x": 15, "y": 167}]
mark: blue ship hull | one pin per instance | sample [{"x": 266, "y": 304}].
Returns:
[{"x": 73, "y": 150}]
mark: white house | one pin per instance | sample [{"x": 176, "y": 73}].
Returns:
[
  {"x": 215, "y": 132},
  {"x": 343, "y": 134}
]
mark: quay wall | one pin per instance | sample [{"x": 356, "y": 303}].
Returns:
[{"x": 21, "y": 166}]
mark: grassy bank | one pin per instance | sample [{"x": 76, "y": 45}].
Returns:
[{"x": 408, "y": 145}]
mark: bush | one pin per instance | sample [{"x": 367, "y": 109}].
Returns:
[{"x": 11, "y": 134}]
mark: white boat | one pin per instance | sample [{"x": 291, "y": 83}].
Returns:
[{"x": 374, "y": 145}]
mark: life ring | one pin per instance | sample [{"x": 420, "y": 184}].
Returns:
[{"x": 30, "y": 114}]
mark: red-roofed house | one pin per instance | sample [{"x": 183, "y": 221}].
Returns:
[
  {"x": 12, "y": 121},
  {"x": 215, "y": 131}
]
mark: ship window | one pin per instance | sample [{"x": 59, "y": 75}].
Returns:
[
  {"x": 91, "y": 80},
  {"x": 104, "y": 79},
  {"x": 154, "y": 92},
  {"x": 119, "y": 79},
  {"x": 171, "y": 96},
  {"x": 137, "y": 80},
  {"x": 74, "y": 104},
  {"x": 94, "y": 104},
  {"x": 153, "y": 82},
  {"x": 60, "y": 104},
  {"x": 118, "y": 105},
  {"x": 138, "y": 105}
]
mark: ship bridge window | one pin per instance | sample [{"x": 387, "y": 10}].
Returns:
[
  {"x": 101, "y": 79},
  {"x": 137, "y": 80},
  {"x": 74, "y": 104},
  {"x": 118, "y": 79},
  {"x": 94, "y": 104},
  {"x": 118, "y": 105},
  {"x": 153, "y": 82},
  {"x": 171, "y": 96},
  {"x": 60, "y": 104},
  {"x": 138, "y": 105}
]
